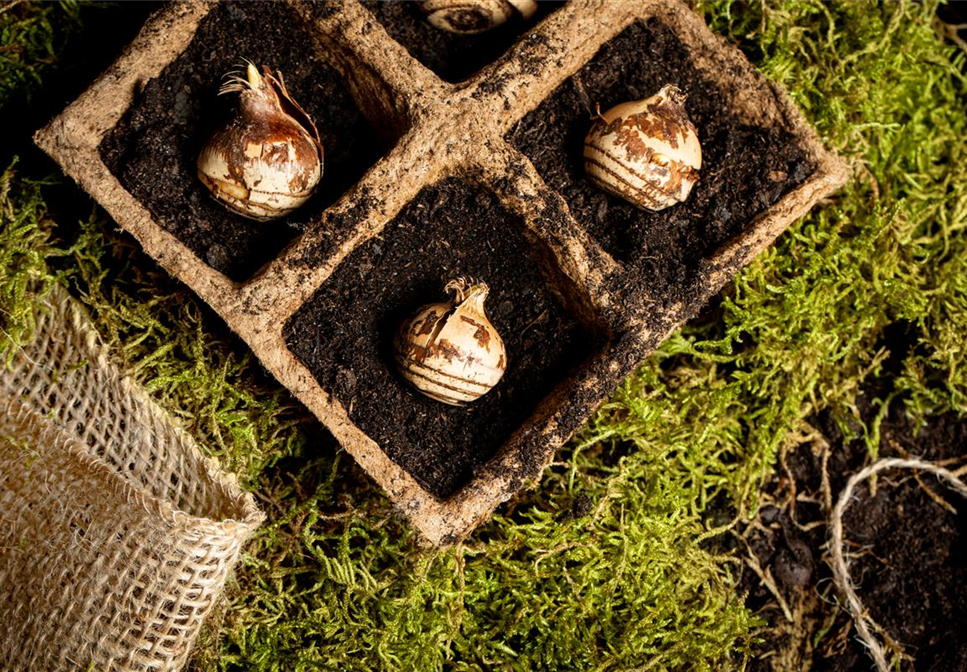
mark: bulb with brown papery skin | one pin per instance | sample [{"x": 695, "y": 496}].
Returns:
[
  {"x": 450, "y": 351},
  {"x": 267, "y": 160},
  {"x": 470, "y": 17},
  {"x": 646, "y": 151}
]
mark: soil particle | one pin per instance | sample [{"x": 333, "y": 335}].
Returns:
[
  {"x": 794, "y": 561},
  {"x": 344, "y": 333},
  {"x": 580, "y": 507},
  {"x": 745, "y": 169},
  {"x": 453, "y": 57},
  {"x": 153, "y": 149}
]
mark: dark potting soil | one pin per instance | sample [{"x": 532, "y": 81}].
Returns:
[
  {"x": 344, "y": 333},
  {"x": 453, "y": 57},
  {"x": 153, "y": 149},
  {"x": 745, "y": 169},
  {"x": 908, "y": 554}
]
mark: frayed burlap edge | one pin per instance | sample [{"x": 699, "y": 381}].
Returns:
[{"x": 116, "y": 533}]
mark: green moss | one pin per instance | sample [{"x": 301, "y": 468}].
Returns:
[
  {"x": 806, "y": 327},
  {"x": 32, "y": 34},
  {"x": 614, "y": 560},
  {"x": 24, "y": 250},
  {"x": 621, "y": 585}
]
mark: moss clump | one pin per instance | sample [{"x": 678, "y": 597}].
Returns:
[
  {"x": 32, "y": 34},
  {"x": 24, "y": 250}
]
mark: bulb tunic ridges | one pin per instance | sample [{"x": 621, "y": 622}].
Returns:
[
  {"x": 450, "y": 351},
  {"x": 268, "y": 159},
  {"x": 646, "y": 151}
]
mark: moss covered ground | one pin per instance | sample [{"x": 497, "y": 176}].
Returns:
[{"x": 615, "y": 559}]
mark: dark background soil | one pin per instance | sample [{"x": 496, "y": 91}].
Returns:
[
  {"x": 744, "y": 169},
  {"x": 344, "y": 333},
  {"x": 909, "y": 554},
  {"x": 153, "y": 149},
  {"x": 453, "y": 57}
]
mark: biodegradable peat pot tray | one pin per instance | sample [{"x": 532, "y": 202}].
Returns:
[{"x": 427, "y": 180}]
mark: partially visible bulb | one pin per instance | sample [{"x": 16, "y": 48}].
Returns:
[
  {"x": 469, "y": 17},
  {"x": 267, "y": 160},
  {"x": 645, "y": 151},
  {"x": 450, "y": 351}
]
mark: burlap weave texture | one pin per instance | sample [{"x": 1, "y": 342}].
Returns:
[{"x": 116, "y": 533}]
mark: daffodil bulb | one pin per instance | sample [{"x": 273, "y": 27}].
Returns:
[
  {"x": 469, "y": 17},
  {"x": 267, "y": 160},
  {"x": 450, "y": 351},
  {"x": 646, "y": 151}
]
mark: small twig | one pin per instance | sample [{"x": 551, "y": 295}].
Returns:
[
  {"x": 10, "y": 5},
  {"x": 827, "y": 489},
  {"x": 583, "y": 95},
  {"x": 766, "y": 577},
  {"x": 534, "y": 321},
  {"x": 791, "y": 479},
  {"x": 951, "y": 32},
  {"x": 935, "y": 497},
  {"x": 840, "y": 571}
]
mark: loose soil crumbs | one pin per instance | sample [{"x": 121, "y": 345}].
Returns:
[{"x": 907, "y": 554}]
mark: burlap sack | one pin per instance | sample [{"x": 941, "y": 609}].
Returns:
[{"x": 116, "y": 534}]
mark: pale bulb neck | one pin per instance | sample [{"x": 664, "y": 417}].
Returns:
[
  {"x": 673, "y": 95},
  {"x": 474, "y": 297}
]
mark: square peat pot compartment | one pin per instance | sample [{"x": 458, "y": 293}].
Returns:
[
  {"x": 344, "y": 333},
  {"x": 453, "y": 57},
  {"x": 153, "y": 149},
  {"x": 745, "y": 168}
]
